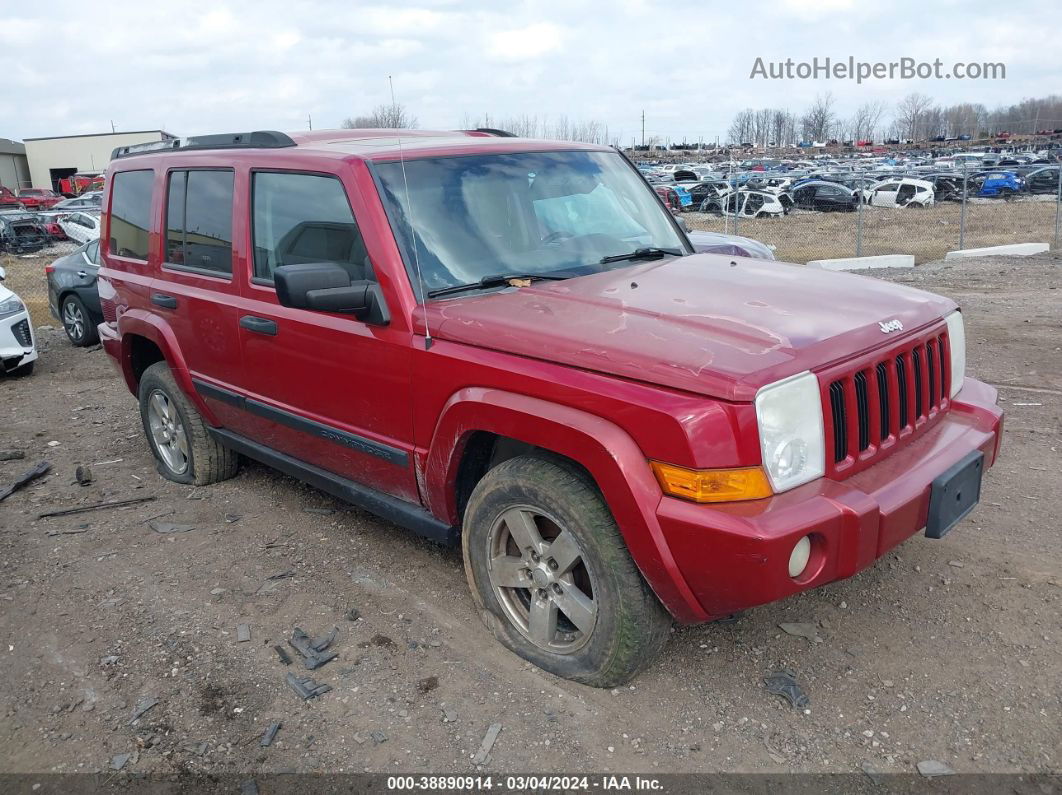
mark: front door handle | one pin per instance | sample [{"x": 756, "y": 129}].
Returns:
[
  {"x": 165, "y": 301},
  {"x": 259, "y": 325}
]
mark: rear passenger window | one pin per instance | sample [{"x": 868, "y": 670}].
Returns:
[
  {"x": 304, "y": 218},
  {"x": 199, "y": 220},
  {"x": 131, "y": 213}
]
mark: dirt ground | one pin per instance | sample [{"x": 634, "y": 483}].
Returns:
[{"x": 944, "y": 650}]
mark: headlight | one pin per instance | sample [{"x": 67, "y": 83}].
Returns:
[
  {"x": 789, "y": 415},
  {"x": 10, "y": 306},
  {"x": 957, "y": 343}
]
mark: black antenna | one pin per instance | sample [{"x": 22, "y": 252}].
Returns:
[{"x": 409, "y": 218}]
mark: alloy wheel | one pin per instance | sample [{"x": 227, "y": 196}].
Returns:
[
  {"x": 168, "y": 432},
  {"x": 539, "y": 575},
  {"x": 73, "y": 321}
]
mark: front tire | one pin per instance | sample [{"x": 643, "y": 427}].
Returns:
[
  {"x": 552, "y": 575},
  {"x": 77, "y": 323},
  {"x": 185, "y": 450}
]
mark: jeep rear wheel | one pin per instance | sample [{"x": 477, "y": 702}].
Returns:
[
  {"x": 185, "y": 451},
  {"x": 553, "y": 577}
]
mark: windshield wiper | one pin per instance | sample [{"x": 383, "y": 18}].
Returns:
[
  {"x": 496, "y": 280},
  {"x": 643, "y": 253}
]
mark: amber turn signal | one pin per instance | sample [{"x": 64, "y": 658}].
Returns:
[{"x": 712, "y": 485}]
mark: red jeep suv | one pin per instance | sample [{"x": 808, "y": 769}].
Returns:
[{"x": 511, "y": 345}]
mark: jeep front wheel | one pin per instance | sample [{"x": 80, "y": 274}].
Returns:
[{"x": 553, "y": 578}]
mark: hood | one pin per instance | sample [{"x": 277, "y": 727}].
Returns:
[{"x": 707, "y": 324}]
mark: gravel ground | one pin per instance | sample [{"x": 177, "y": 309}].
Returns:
[{"x": 945, "y": 650}]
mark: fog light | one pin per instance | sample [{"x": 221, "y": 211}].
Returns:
[{"x": 798, "y": 560}]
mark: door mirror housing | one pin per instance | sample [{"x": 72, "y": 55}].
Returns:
[
  {"x": 3, "y": 274},
  {"x": 327, "y": 287}
]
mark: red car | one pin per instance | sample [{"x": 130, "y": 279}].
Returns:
[
  {"x": 38, "y": 198},
  {"x": 8, "y": 198},
  {"x": 511, "y": 345}
]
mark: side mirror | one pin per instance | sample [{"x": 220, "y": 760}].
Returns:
[
  {"x": 326, "y": 287},
  {"x": 3, "y": 274},
  {"x": 682, "y": 223}
]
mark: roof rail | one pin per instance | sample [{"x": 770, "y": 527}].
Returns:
[
  {"x": 495, "y": 132},
  {"x": 258, "y": 139}
]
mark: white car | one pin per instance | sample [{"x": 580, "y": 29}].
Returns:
[
  {"x": 18, "y": 346},
  {"x": 81, "y": 227},
  {"x": 900, "y": 192},
  {"x": 750, "y": 204}
]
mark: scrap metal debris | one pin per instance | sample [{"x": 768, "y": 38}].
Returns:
[
  {"x": 378, "y": 737},
  {"x": 83, "y": 475},
  {"x": 306, "y": 687},
  {"x": 243, "y": 633},
  {"x": 802, "y": 630},
  {"x": 118, "y": 761},
  {"x": 783, "y": 683},
  {"x": 95, "y": 507},
  {"x": 482, "y": 756},
  {"x": 269, "y": 734},
  {"x": 25, "y": 479},
  {"x": 313, "y": 650},
  {"x": 11, "y": 455},
  {"x": 282, "y": 654},
  {"x": 142, "y": 706}
]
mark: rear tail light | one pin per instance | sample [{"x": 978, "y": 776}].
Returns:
[{"x": 49, "y": 268}]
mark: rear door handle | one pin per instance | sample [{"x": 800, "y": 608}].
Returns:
[
  {"x": 165, "y": 301},
  {"x": 259, "y": 325}
]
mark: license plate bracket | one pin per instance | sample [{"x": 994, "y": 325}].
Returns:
[{"x": 954, "y": 493}]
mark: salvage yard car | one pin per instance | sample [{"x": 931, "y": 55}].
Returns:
[
  {"x": 72, "y": 295},
  {"x": 512, "y": 345},
  {"x": 38, "y": 198},
  {"x": 21, "y": 232},
  {"x": 18, "y": 346},
  {"x": 81, "y": 227},
  {"x": 900, "y": 192}
]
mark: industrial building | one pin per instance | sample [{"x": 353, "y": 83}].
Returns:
[
  {"x": 14, "y": 169},
  {"x": 53, "y": 159}
]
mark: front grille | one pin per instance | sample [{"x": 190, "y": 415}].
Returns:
[
  {"x": 881, "y": 400},
  {"x": 21, "y": 330}
]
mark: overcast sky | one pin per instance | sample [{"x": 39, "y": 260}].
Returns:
[{"x": 199, "y": 67}]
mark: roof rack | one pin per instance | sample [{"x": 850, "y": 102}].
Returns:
[
  {"x": 258, "y": 139},
  {"x": 495, "y": 132}
]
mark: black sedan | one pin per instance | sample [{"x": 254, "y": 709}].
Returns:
[
  {"x": 72, "y": 293},
  {"x": 825, "y": 196}
]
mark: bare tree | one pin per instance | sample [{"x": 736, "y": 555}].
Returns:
[
  {"x": 394, "y": 116},
  {"x": 819, "y": 119},
  {"x": 909, "y": 114},
  {"x": 864, "y": 122}
]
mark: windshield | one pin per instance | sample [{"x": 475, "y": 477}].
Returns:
[{"x": 525, "y": 213}]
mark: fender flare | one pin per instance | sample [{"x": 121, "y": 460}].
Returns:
[
  {"x": 149, "y": 326},
  {"x": 605, "y": 450}
]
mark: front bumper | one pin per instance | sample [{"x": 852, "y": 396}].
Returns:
[
  {"x": 18, "y": 343},
  {"x": 736, "y": 556}
]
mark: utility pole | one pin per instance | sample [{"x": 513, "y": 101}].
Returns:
[{"x": 643, "y": 128}]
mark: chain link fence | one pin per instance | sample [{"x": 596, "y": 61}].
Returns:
[{"x": 966, "y": 220}]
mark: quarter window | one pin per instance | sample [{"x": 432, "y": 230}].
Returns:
[
  {"x": 305, "y": 218},
  {"x": 199, "y": 220},
  {"x": 131, "y": 213}
]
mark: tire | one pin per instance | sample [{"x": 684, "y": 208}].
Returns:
[
  {"x": 626, "y": 627},
  {"x": 22, "y": 370},
  {"x": 77, "y": 322},
  {"x": 168, "y": 415}
]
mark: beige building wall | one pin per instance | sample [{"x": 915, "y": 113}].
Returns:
[{"x": 80, "y": 152}]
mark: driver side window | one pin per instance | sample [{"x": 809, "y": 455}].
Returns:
[{"x": 299, "y": 218}]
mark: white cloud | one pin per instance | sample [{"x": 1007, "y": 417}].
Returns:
[{"x": 526, "y": 43}]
